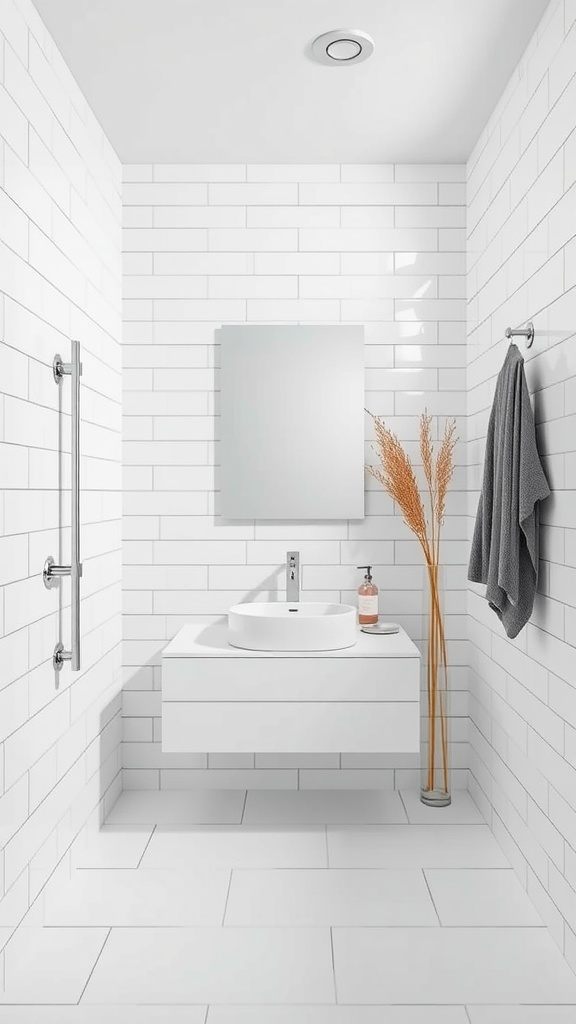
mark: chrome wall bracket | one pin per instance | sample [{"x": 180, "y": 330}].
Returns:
[
  {"x": 522, "y": 332},
  {"x": 51, "y": 572}
]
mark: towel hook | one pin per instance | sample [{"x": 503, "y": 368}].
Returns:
[{"x": 523, "y": 332}]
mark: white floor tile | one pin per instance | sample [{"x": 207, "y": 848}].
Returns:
[
  {"x": 337, "y": 1015},
  {"x": 178, "y": 807},
  {"x": 450, "y": 965},
  {"x": 322, "y": 807},
  {"x": 522, "y": 1014},
  {"x": 242, "y": 846},
  {"x": 114, "y": 1015},
  {"x": 160, "y": 898},
  {"x": 214, "y": 965},
  {"x": 50, "y": 965},
  {"x": 111, "y": 846},
  {"x": 481, "y": 898},
  {"x": 414, "y": 846},
  {"x": 306, "y": 899},
  {"x": 462, "y": 810}
]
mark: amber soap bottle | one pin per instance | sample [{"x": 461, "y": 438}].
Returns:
[{"x": 367, "y": 599}]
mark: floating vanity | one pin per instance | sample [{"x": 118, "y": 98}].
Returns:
[{"x": 224, "y": 699}]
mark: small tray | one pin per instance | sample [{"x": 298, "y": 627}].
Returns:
[{"x": 381, "y": 628}]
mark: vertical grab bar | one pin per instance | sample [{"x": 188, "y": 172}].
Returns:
[{"x": 52, "y": 572}]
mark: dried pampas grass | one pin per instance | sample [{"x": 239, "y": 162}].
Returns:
[{"x": 397, "y": 476}]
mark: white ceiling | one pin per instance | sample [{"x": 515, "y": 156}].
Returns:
[{"x": 229, "y": 80}]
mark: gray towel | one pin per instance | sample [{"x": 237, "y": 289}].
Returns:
[{"x": 504, "y": 552}]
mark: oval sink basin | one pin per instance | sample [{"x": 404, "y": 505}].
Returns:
[{"x": 302, "y": 626}]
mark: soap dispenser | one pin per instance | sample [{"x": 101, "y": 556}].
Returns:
[{"x": 367, "y": 599}]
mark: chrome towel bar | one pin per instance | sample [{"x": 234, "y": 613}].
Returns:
[{"x": 53, "y": 572}]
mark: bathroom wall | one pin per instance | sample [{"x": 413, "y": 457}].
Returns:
[
  {"x": 59, "y": 278},
  {"x": 206, "y": 245},
  {"x": 522, "y": 265}
]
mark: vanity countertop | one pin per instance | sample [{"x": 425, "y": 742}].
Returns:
[{"x": 199, "y": 641}]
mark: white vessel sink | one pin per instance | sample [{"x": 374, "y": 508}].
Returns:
[{"x": 301, "y": 626}]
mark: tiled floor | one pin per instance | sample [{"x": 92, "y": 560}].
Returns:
[{"x": 287, "y": 908}]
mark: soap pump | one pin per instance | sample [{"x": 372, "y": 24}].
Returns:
[{"x": 367, "y": 599}]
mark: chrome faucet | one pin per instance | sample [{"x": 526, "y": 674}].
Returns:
[{"x": 292, "y": 576}]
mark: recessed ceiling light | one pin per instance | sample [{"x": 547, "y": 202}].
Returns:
[{"x": 342, "y": 46}]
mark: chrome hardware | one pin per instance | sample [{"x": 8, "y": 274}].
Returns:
[
  {"x": 522, "y": 332},
  {"x": 292, "y": 576},
  {"x": 52, "y": 572}
]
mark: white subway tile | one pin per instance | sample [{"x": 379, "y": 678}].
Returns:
[
  {"x": 165, "y": 287},
  {"x": 366, "y": 172},
  {"x": 296, "y": 263},
  {"x": 363, "y": 216},
  {"x": 164, "y": 239},
  {"x": 293, "y": 172},
  {"x": 293, "y": 309},
  {"x": 252, "y": 194},
  {"x": 140, "y": 217},
  {"x": 136, "y": 172},
  {"x": 253, "y": 239},
  {"x": 368, "y": 194},
  {"x": 368, "y": 239},
  {"x": 14, "y": 125},
  {"x": 156, "y": 194},
  {"x": 293, "y": 217},
  {"x": 253, "y": 286},
  {"x": 196, "y": 216},
  {"x": 199, "y": 172},
  {"x": 209, "y": 263}
]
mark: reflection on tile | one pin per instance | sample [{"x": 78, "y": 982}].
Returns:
[
  {"x": 450, "y": 965},
  {"x": 414, "y": 846},
  {"x": 481, "y": 898},
  {"x": 243, "y": 846},
  {"x": 137, "y": 898},
  {"x": 50, "y": 965},
  {"x": 323, "y": 807},
  {"x": 317, "y": 898},
  {"x": 462, "y": 810},
  {"x": 337, "y": 1015},
  {"x": 111, "y": 846},
  {"x": 221, "y": 965},
  {"x": 178, "y": 807}
]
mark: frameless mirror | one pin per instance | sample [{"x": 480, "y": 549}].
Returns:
[{"x": 292, "y": 422}]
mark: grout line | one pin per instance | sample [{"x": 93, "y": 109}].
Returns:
[
  {"x": 467, "y": 1014},
  {"x": 327, "y": 846},
  {"x": 333, "y": 964},
  {"x": 227, "y": 896},
  {"x": 94, "y": 966},
  {"x": 431, "y": 896},
  {"x": 244, "y": 807},
  {"x": 146, "y": 846},
  {"x": 404, "y": 806}
]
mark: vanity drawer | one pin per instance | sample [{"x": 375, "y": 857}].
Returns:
[
  {"x": 290, "y": 679},
  {"x": 291, "y": 727}
]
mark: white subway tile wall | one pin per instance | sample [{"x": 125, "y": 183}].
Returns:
[
  {"x": 381, "y": 245},
  {"x": 60, "y": 278},
  {"x": 521, "y": 242}
]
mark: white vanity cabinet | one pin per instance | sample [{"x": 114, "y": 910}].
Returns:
[{"x": 221, "y": 699}]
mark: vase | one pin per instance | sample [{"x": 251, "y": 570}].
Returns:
[{"x": 435, "y": 789}]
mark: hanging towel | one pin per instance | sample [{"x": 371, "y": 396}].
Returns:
[{"x": 505, "y": 546}]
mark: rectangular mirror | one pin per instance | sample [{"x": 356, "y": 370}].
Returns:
[{"x": 292, "y": 422}]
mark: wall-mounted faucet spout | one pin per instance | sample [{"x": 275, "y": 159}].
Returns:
[{"x": 292, "y": 576}]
